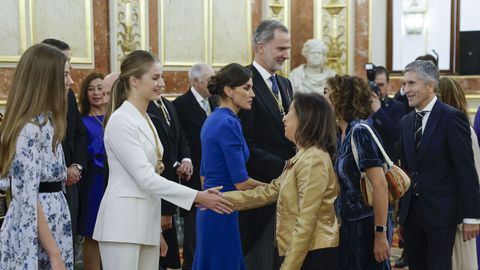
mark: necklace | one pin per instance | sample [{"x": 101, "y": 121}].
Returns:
[
  {"x": 279, "y": 103},
  {"x": 98, "y": 120},
  {"x": 160, "y": 166}
]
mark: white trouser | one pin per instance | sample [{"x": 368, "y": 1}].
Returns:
[{"x": 126, "y": 256}]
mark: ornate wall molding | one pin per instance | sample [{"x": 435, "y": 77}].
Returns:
[
  {"x": 209, "y": 35},
  {"x": 27, "y": 22},
  {"x": 128, "y": 29},
  {"x": 14, "y": 35},
  {"x": 331, "y": 24}
]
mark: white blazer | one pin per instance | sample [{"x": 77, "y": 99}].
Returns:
[{"x": 130, "y": 211}]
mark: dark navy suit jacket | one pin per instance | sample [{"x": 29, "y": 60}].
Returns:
[
  {"x": 175, "y": 145},
  {"x": 269, "y": 149},
  {"x": 442, "y": 168},
  {"x": 386, "y": 122}
]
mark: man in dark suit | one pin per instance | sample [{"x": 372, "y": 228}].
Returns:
[
  {"x": 387, "y": 114},
  {"x": 74, "y": 145},
  {"x": 193, "y": 107},
  {"x": 177, "y": 161},
  {"x": 400, "y": 95},
  {"x": 265, "y": 135},
  {"x": 437, "y": 152}
]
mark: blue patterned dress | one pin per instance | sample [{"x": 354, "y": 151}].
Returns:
[
  {"x": 356, "y": 231},
  {"x": 35, "y": 162}
]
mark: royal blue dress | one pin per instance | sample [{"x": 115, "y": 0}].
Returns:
[
  {"x": 224, "y": 157},
  {"x": 92, "y": 185}
]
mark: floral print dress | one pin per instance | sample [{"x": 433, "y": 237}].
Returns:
[{"x": 35, "y": 161}]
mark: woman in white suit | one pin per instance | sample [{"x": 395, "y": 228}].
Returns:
[{"x": 128, "y": 224}]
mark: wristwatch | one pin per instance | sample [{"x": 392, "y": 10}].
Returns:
[
  {"x": 79, "y": 167},
  {"x": 378, "y": 228}
]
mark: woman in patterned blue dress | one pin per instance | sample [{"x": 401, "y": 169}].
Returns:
[
  {"x": 224, "y": 157},
  {"x": 92, "y": 186},
  {"x": 37, "y": 231},
  {"x": 366, "y": 232}
]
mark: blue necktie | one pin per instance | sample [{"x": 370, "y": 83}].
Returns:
[{"x": 275, "y": 89}]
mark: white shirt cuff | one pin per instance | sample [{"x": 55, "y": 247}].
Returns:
[
  {"x": 187, "y": 159},
  {"x": 471, "y": 221}
]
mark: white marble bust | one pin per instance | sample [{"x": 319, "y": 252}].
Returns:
[{"x": 311, "y": 77}]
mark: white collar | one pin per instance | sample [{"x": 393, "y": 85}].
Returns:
[
  {"x": 263, "y": 72},
  {"x": 429, "y": 107},
  {"x": 197, "y": 95},
  {"x": 141, "y": 121}
]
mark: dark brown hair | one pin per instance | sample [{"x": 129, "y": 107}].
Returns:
[
  {"x": 428, "y": 57},
  {"x": 83, "y": 96},
  {"x": 316, "y": 122},
  {"x": 351, "y": 97},
  {"x": 231, "y": 75}
]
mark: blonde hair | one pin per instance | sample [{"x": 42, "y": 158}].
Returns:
[
  {"x": 38, "y": 86},
  {"x": 135, "y": 64},
  {"x": 451, "y": 92}
]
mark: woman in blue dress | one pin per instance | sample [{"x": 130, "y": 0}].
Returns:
[
  {"x": 37, "y": 231},
  {"x": 224, "y": 157},
  {"x": 366, "y": 232},
  {"x": 92, "y": 185}
]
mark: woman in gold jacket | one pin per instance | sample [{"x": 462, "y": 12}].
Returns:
[{"x": 307, "y": 229}]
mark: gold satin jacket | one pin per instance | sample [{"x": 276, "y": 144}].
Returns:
[{"x": 305, "y": 193}]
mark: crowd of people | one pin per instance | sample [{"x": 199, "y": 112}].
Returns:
[{"x": 266, "y": 176}]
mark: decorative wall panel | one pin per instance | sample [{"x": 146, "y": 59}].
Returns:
[
  {"x": 230, "y": 39},
  {"x": 13, "y": 34},
  {"x": 331, "y": 23},
  {"x": 217, "y": 33},
  {"x": 70, "y": 21},
  {"x": 183, "y": 33},
  {"x": 128, "y": 29},
  {"x": 27, "y": 22}
]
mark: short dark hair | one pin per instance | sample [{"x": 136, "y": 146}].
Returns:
[
  {"x": 382, "y": 70},
  {"x": 62, "y": 46},
  {"x": 231, "y": 75},
  {"x": 316, "y": 122},
  {"x": 428, "y": 57}
]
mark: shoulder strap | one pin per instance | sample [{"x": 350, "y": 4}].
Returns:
[
  {"x": 385, "y": 156},
  {"x": 355, "y": 152}
]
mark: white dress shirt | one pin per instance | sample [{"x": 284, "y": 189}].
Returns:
[
  {"x": 265, "y": 76},
  {"x": 427, "y": 109},
  {"x": 201, "y": 101}
]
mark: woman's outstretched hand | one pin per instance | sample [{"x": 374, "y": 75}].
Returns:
[{"x": 212, "y": 199}]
